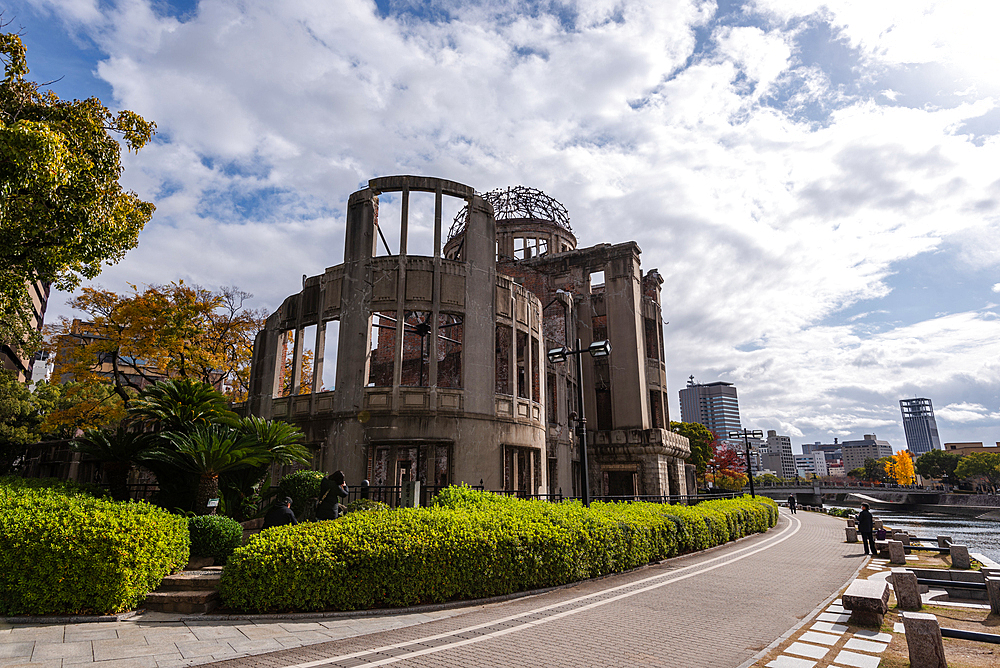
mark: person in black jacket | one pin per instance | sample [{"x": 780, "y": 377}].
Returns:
[
  {"x": 331, "y": 490},
  {"x": 280, "y": 515},
  {"x": 791, "y": 503},
  {"x": 866, "y": 524}
]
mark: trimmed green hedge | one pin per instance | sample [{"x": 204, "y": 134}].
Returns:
[
  {"x": 470, "y": 545},
  {"x": 214, "y": 536},
  {"x": 63, "y": 551}
]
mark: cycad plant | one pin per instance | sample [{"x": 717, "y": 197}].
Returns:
[
  {"x": 209, "y": 450},
  {"x": 179, "y": 404},
  {"x": 117, "y": 451}
]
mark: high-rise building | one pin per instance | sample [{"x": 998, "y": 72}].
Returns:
[
  {"x": 782, "y": 446},
  {"x": 870, "y": 447},
  {"x": 806, "y": 465},
  {"x": 919, "y": 426},
  {"x": 714, "y": 405}
]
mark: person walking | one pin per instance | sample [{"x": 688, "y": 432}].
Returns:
[
  {"x": 280, "y": 515},
  {"x": 791, "y": 503},
  {"x": 331, "y": 490},
  {"x": 866, "y": 524}
]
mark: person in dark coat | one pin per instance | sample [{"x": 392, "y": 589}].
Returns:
[
  {"x": 791, "y": 503},
  {"x": 280, "y": 515},
  {"x": 866, "y": 524},
  {"x": 331, "y": 490}
]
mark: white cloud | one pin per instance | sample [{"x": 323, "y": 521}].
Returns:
[{"x": 767, "y": 223}]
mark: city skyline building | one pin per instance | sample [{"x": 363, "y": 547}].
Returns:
[
  {"x": 714, "y": 405},
  {"x": 919, "y": 425},
  {"x": 870, "y": 447}
]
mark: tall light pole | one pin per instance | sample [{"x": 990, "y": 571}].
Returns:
[
  {"x": 597, "y": 349},
  {"x": 746, "y": 434}
]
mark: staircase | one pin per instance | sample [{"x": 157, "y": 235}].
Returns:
[{"x": 186, "y": 592}]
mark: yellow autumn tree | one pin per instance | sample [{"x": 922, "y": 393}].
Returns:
[{"x": 903, "y": 468}]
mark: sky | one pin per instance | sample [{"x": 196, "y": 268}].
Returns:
[{"x": 816, "y": 182}]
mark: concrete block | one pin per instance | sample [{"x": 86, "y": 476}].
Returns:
[
  {"x": 944, "y": 541},
  {"x": 993, "y": 592},
  {"x": 923, "y": 640},
  {"x": 877, "y": 524},
  {"x": 901, "y": 536},
  {"x": 904, "y": 584},
  {"x": 960, "y": 557},
  {"x": 896, "y": 553},
  {"x": 852, "y": 535},
  {"x": 868, "y": 601},
  {"x": 851, "y": 522}
]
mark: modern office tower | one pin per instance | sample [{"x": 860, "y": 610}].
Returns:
[
  {"x": 782, "y": 445},
  {"x": 712, "y": 404},
  {"x": 919, "y": 426},
  {"x": 856, "y": 452}
]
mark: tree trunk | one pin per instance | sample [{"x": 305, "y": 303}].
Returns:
[
  {"x": 117, "y": 479},
  {"x": 208, "y": 488}
]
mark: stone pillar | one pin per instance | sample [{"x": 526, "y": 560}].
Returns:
[
  {"x": 868, "y": 601},
  {"x": 480, "y": 313},
  {"x": 901, "y": 536},
  {"x": 960, "y": 557},
  {"x": 904, "y": 584},
  {"x": 923, "y": 640},
  {"x": 852, "y": 535},
  {"x": 993, "y": 591},
  {"x": 851, "y": 522},
  {"x": 944, "y": 541},
  {"x": 623, "y": 304},
  {"x": 896, "y": 553},
  {"x": 876, "y": 524}
]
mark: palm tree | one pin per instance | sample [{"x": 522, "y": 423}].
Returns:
[
  {"x": 179, "y": 404},
  {"x": 209, "y": 450},
  {"x": 117, "y": 451}
]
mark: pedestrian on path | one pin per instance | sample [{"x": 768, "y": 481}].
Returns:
[
  {"x": 280, "y": 515},
  {"x": 866, "y": 524},
  {"x": 791, "y": 503},
  {"x": 331, "y": 490}
]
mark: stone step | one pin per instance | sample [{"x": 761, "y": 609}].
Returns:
[
  {"x": 188, "y": 580},
  {"x": 187, "y": 602}
]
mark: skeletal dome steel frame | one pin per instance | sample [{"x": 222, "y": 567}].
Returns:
[{"x": 517, "y": 203}]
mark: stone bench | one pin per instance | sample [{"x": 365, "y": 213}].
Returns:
[{"x": 868, "y": 601}]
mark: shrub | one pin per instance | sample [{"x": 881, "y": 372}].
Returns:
[
  {"x": 69, "y": 553},
  {"x": 469, "y": 544},
  {"x": 214, "y": 536},
  {"x": 303, "y": 488},
  {"x": 66, "y": 487},
  {"x": 366, "y": 504}
]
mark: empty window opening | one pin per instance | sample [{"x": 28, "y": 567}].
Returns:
[
  {"x": 450, "y": 331},
  {"x": 597, "y": 281},
  {"x": 554, "y": 324},
  {"x": 288, "y": 343},
  {"x": 503, "y": 341},
  {"x": 308, "y": 364},
  {"x": 383, "y": 349},
  {"x": 330, "y": 346},
  {"x": 551, "y": 398},
  {"x": 387, "y": 228},
  {"x": 599, "y": 325},
  {"x": 652, "y": 340},
  {"x": 522, "y": 369},
  {"x": 420, "y": 224},
  {"x": 416, "y": 349},
  {"x": 656, "y": 409},
  {"x": 536, "y": 388}
]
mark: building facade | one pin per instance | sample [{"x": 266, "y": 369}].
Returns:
[
  {"x": 870, "y": 447},
  {"x": 813, "y": 463},
  {"x": 12, "y": 355},
  {"x": 919, "y": 426},
  {"x": 714, "y": 405},
  {"x": 782, "y": 447},
  {"x": 969, "y": 448},
  {"x": 441, "y": 372}
]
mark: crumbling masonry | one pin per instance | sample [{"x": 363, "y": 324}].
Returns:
[{"x": 441, "y": 367}]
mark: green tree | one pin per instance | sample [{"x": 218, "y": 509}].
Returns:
[
  {"x": 81, "y": 406},
  {"x": 117, "y": 451},
  {"x": 938, "y": 464},
  {"x": 209, "y": 451},
  {"x": 22, "y": 412},
  {"x": 702, "y": 444},
  {"x": 980, "y": 465},
  {"x": 63, "y": 213},
  {"x": 180, "y": 404},
  {"x": 876, "y": 470}
]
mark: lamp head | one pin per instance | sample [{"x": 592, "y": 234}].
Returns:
[
  {"x": 557, "y": 355},
  {"x": 599, "y": 348}
]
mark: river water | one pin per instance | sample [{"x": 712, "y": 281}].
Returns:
[{"x": 982, "y": 536}]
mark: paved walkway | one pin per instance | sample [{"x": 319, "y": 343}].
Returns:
[{"x": 718, "y": 609}]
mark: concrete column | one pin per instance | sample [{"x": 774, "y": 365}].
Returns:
[
  {"x": 904, "y": 584},
  {"x": 896, "y": 553},
  {"x": 355, "y": 314},
  {"x": 943, "y": 541},
  {"x": 297, "y": 362},
  {"x": 852, "y": 535},
  {"x": 623, "y": 304},
  {"x": 479, "y": 370},
  {"x": 923, "y": 640},
  {"x": 960, "y": 557},
  {"x": 993, "y": 592}
]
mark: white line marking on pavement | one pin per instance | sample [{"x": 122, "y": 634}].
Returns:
[{"x": 659, "y": 580}]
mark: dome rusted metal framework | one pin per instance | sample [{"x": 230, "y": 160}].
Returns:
[{"x": 517, "y": 203}]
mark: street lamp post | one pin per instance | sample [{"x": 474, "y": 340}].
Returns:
[
  {"x": 596, "y": 349},
  {"x": 746, "y": 434}
]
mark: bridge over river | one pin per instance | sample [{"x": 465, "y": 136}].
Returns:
[{"x": 903, "y": 497}]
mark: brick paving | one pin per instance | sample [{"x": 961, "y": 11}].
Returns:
[{"x": 720, "y": 608}]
